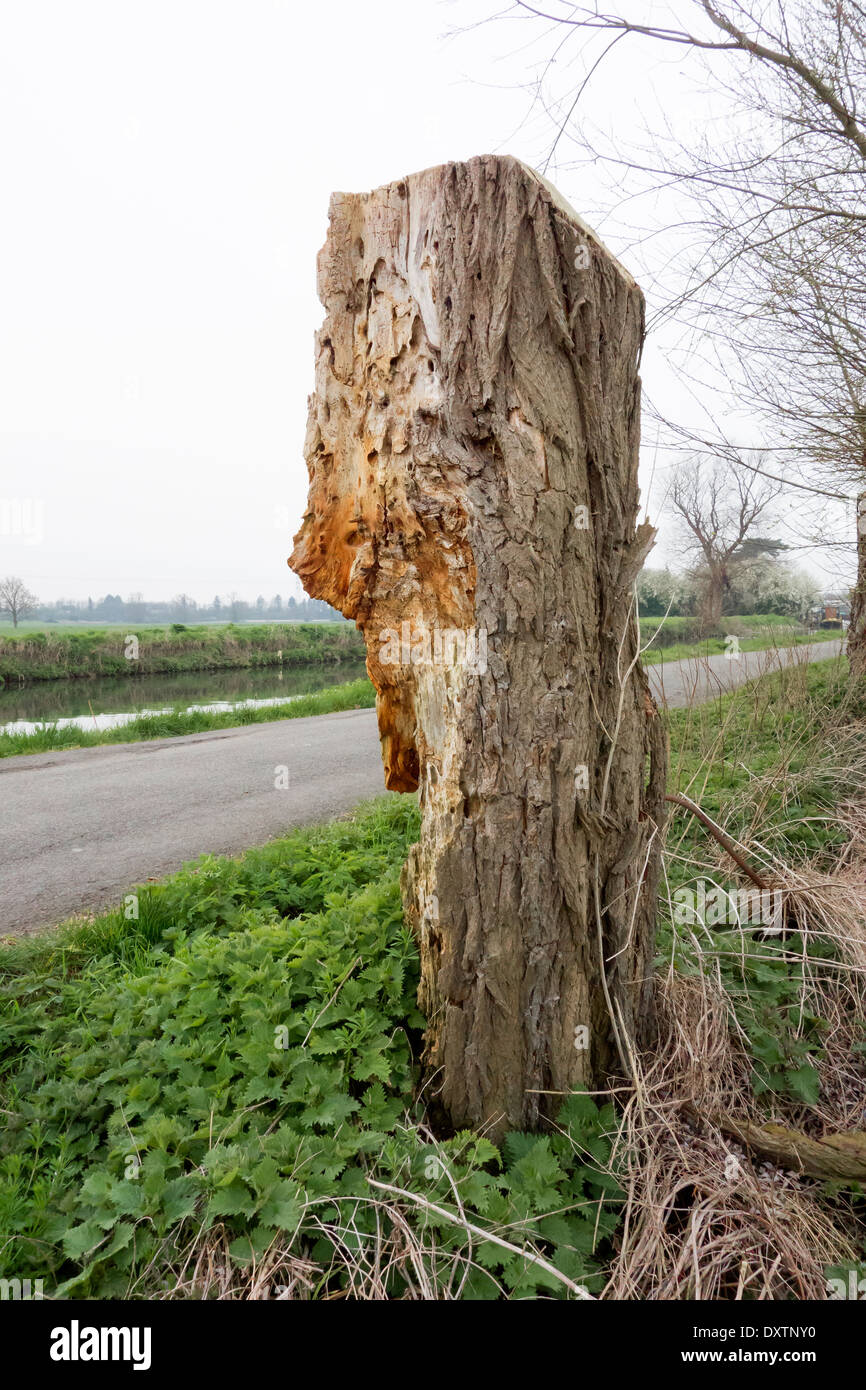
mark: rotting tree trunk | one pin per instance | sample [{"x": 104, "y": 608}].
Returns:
[
  {"x": 472, "y": 450},
  {"x": 856, "y": 645}
]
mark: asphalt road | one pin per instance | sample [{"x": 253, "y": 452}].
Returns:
[
  {"x": 679, "y": 683},
  {"x": 79, "y": 827}
]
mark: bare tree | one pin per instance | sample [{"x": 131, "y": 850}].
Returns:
[
  {"x": 182, "y": 605},
  {"x": 771, "y": 277},
  {"x": 857, "y": 627},
  {"x": 236, "y": 606},
  {"x": 16, "y": 599},
  {"x": 719, "y": 508}
]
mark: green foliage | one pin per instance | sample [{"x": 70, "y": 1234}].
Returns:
[
  {"x": 765, "y": 981},
  {"x": 242, "y": 1060},
  {"x": 772, "y": 729}
]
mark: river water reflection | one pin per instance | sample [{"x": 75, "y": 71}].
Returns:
[{"x": 104, "y": 702}]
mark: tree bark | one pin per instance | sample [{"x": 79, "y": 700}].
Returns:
[
  {"x": 472, "y": 451},
  {"x": 712, "y": 600},
  {"x": 856, "y": 645}
]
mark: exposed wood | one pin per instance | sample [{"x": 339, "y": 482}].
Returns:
[{"x": 472, "y": 451}]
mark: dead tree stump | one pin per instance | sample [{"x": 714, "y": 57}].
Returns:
[{"x": 472, "y": 450}]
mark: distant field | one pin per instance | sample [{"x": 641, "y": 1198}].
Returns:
[
  {"x": 27, "y": 626},
  {"x": 39, "y": 653}
]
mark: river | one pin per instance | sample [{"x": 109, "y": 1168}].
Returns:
[{"x": 104, "y": 702}]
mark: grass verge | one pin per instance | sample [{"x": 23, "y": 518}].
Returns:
[{"x": 678, "y": 639}]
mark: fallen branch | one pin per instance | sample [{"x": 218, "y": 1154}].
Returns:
[{"x": 719, "y": 834}]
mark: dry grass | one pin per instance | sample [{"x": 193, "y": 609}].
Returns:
[
  {"x": 362, "y": 1266},
  {"x": 704, "y": 1218}
]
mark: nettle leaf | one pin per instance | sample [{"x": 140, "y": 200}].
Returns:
[
  {"x": 579, "y": 1112},
  {"x": 263, "y": 1088},
  {"x": 805, "y": 1083},
  {"x": 161, "y": 1131},
  {"x": 283, "y": 1207},
  {"x": 538, "y": 1175},
  {"x": 242, "y": 1250},
  {"x": 568, "y": 1233},
  {"x": 524, "y": 1278},
  {"x": 377, "y": 1110},
  {"x": 326, "y": 1042},
  {"x": 80, "y": 1240},
  {"x": 601, "y": 1182},
  {"x": 371, "y": 1063},
  {"x": 479, "y": 1151},
  {"x": 265, "y": 1175},
  {"x": 232, "y": 1200},
  {"x": 329, "y": 1112},
  {"x": 476, "y": 1188},
  {"x": 98, "y": 1187},
  {"x": 481, "y": 1287},
  {"x": 515, "y": 1146},
  {"x": 179, "y": 1199},
  {"x": 492, "y": 1256},
  {"x": 768, "y": 1049},
  {"x": 123, "y": 1233},
  {"x": 128, "y": 1197}
]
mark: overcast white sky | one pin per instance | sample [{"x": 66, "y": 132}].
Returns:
[{"x": 165, "y": 168}]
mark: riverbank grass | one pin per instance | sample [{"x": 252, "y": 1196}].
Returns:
[{"x": 140, "y": 650}]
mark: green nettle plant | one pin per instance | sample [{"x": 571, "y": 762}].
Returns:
[{"x": 242, "y": 1071}]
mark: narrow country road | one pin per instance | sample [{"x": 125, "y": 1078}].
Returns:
[
  {"x": 80, "y": 827},
  {"x": 694, "y": 680}
]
